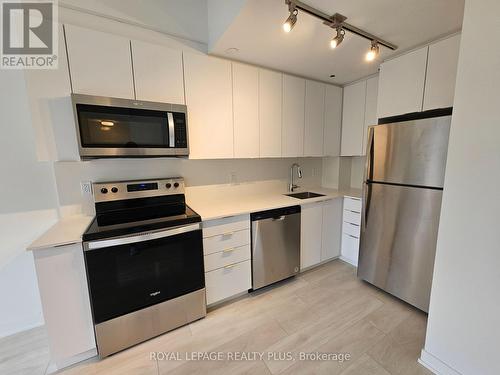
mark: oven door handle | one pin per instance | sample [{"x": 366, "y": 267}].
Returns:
[{"x": 147, "y": 236}]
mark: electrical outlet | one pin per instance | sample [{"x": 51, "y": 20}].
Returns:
[
  {"x": 86, "y": 187},
  {"x": 232, "y": 178},
  {"x": 313, "y": 172}
]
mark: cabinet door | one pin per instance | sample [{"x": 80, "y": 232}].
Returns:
[
  {"x": 401, "y": 86},
  {"x": 270, "y": 106},
  {"x": 314, "y": 118},
  {"x": 246, "y": 110},
  {"x": 210, "y": 106},
  {"x": 353, "y": 119},
  {"x": 370, "y": 109},
  {"x": 310, "y": 234},
  {"x": 157, "y": 73},
  {"x": 100, "y": 63},
  {"x": 333, "y": 120},
  {"x": 331, "y": 229},
  {"x": 293, "y": 116},
  {"x": 61, "y": 272},
  {"x": 441, "y": 73}
]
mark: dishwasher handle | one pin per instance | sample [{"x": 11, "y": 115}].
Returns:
[{"x": 277, "y": 214}]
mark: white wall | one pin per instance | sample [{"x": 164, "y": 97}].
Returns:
[
  {"x": 463, "y": 327},
  {"x": 28, "y": 205},
  {"x": 181, "y": 18},
  {"x": 196, "y": 172}
]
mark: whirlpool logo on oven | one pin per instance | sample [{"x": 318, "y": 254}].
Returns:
[{"x": 154, "y": 293}]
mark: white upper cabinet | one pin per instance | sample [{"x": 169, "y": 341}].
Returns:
[
  {"x": 100, "y": 63},
  {"x": 293, "y": 116},
  {"x": 401, "y": 87},
  {"x": 246, "y": 110},
  {"x": 210, "y": 106},
  {"x": 270, "y": 106},
  {"x": 441, "y": 73},
  {"x": 333, "y": 121},
  {"x": 353, "y": 119},
  {"x": 157, "y": 73},
  {"x": 370, "y": 108},
  {"x": 314, "y": 118}
]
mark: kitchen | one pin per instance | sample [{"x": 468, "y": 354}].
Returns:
[{"x": 248, "y": 125}]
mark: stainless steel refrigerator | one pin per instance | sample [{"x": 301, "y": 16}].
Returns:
[{"x": 402, "y": 195}]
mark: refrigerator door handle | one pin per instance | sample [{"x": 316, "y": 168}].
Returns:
[{"x": 369, "y": 155}]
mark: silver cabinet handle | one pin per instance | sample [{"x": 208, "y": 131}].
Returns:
[
  {"x": 229, "y": 266},
  {"x": 228, "y": 234},
  {"x": 228, "y": 250},
  {"x": 350, "y": 235}
]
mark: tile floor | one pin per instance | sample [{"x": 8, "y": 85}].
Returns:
[{"x": 325, "y": 310}]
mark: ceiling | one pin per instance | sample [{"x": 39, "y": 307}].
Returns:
[{"x": 256, "y": 31}]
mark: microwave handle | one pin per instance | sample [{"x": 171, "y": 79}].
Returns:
[
  {"x": 171, "y": 129},
  {"x": 93, "y": 245}
]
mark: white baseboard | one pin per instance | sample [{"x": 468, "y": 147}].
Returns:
[
  {"x": 67, "y": 362},
  {"x": 352, "y": 263},
  {"x": 435, "y": 365}
]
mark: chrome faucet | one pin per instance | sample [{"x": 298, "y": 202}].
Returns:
[{"x": 291, "y": 185}]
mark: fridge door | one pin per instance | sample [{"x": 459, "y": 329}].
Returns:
[
  {"x": 410, "y": 152},
  {"x": 398, "y": 240}
]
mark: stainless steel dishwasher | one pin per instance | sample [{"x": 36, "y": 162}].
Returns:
[{"x": 275, "y": 245}]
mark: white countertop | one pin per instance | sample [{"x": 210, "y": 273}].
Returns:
[
  {"x": 210, "y": 203},
  {"x": 66, "y": 231},
  {"x": 216, "y": 206}
]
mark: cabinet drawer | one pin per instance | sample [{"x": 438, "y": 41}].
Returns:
[
  {"x": 225, "y": 225},
  {"x": 226, "y": 257},
  {"x": 352, "y": 217},
  {"x": 228, "y": 281},
  {"x": 349, "y": 228},
  {"x": 350, "y": 248},
  {"x": 226, "y": 241},
  {"x": 352, "y": 204}
]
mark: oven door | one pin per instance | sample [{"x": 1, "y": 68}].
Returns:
[
  {"x": 127, "y": 274},
  {"x": 111, "y": 127}
]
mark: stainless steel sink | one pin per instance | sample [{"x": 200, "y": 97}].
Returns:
[{"x": 305, "y": 195}]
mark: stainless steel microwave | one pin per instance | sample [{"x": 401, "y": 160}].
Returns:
[{"x": 112, "y": 127}]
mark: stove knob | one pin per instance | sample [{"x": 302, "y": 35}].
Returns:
[
  {"x": 176, "y": 184},
  {"x": 168, "y": 185},
  {"x": 104, "y": 190},
  {"x": 114, "y": 189}
]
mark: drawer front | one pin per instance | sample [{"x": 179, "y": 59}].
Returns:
[
  {"x": 352, "y": 217},
  {"x": 350, "y": 248},
  {"x": 351, "y": 229},
  {"x": 226, "y": 258},
  {"x": 352, "y": 204},
  {"x": 226, "y": 282},
  {"x": 223, "y": 242},
  {"x": 226, "y": 225}
]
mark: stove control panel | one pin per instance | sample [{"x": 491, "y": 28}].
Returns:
[{"x": 113, "y": 191}]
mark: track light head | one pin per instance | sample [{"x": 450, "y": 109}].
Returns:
[
  {"x": 335, "y": 42},
  {"x": 291, "y": 20},
  {"x": 373, "y": 52}
]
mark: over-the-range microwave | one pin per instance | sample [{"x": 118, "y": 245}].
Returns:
[{"x": 113, "y": 127}]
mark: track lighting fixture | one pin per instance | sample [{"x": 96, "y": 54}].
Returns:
[
  {"x": 335, "y": 42},
  {"x": 373, "y": 52},
  {"x": 292, "y": 18},
  {"x": 337, "y": 22}
]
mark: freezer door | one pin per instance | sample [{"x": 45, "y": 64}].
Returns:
[
  {"x": 410, "y": 152},
  {"x": 398, "y": 240}
]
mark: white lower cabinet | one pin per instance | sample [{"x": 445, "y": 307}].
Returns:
[
  {"x": 228, "y": 269},
  {"x": 351, "y": 225},
  {"x": 320, "y": 232},
  {"x": 62, "y": 281},
  {"x": 228, "y": 281}
]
